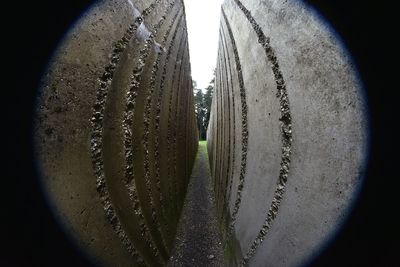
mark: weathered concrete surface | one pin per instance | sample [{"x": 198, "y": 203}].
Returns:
[
  {"x": 198, "y": 240},
  {"x": 287, "y": 135},
  {"x": 115, "y": 131}
]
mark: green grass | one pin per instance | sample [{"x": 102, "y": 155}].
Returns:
[
  {"x": 202, "y": 143},
  {"x": 203, "y": 146}
]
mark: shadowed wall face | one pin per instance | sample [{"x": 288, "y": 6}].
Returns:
[
  {"x": 116, "y": 133},
  {"x": 287, "y": 135}
]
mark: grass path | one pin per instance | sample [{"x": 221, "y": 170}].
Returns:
[{"x": 198, "y": 240}]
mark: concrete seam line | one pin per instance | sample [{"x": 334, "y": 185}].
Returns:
[
  {"x": 97, "y": 133},
  {"x": 158, "y": 109},
  {"x": 218, "y": 129},
  {"x": 226, "y": 133},
  {"x": 146, "y": 121},
  {"x": 226, "y": 175},
  {"x": 129, "y": 139},
  {"x": 245, "y": 133},
  {"x": 183, "y": 124},
  {"x": 173, "y": 124},
  {"x": 159, "y": 99},
  {"x": 146, "y": 133},
  {"x": 184, "y": 132},
  {"x": 217, "y": 143},
  {"x": 178, "y": 113},
  {"x": 286, "y": 132},
  {"x": 221, "y": 128},
  {"x": 215, "y": 120},
  {"x": 222, "y": 114},
  {"x": 222, "y": 135},
  {"x": 220, "y": 123},
  {"x": 229, "y": 180},
  {"x": 182, "y": 73},
  {"x": 172, "y": 178},
  {"x": 233, "y": 120}
]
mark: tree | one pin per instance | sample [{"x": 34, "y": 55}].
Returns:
[
  {"x": 207, "y": 101},
  {"x": 200, "y": 112},
  {"x": 203, "y": 107}
]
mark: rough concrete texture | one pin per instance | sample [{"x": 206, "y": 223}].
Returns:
[
  {"x": 115, "y": 131},
  {"x": 287, "y": 135}
]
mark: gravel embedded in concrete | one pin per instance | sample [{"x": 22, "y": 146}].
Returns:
[{"x": 198, "y": 240}]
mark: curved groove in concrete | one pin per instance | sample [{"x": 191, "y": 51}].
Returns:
[
  {"x": 132, "y": 147},
  {"x": 111, "y": 110},
  {"x": 157, "y": 123},
  {"x": 161, "y": 161},
  {"x": 96, "y": 139},
  {"x": 230, "y": 180},
  {"x": 149, "y": 157},
  {"x": 245, "y": 133},
  {"x": 230, "y": 98},
  {"x": 170, "y": 125},
  {"x": 286, "y": 131}
]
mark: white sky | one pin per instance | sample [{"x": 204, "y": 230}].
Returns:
[{"x": 203, "y": 17}]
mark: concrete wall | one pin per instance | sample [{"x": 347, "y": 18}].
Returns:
[
  {"x": 287, "y": 134},
  {"x": 115, "y": 132}
]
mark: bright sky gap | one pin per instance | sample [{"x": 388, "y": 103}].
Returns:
[{"x": 203, "y": 18}]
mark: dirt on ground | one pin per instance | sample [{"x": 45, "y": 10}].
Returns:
[{"x": 198, "y": 241}]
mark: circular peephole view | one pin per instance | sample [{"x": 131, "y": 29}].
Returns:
[{"x": 167, "y": 133}]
